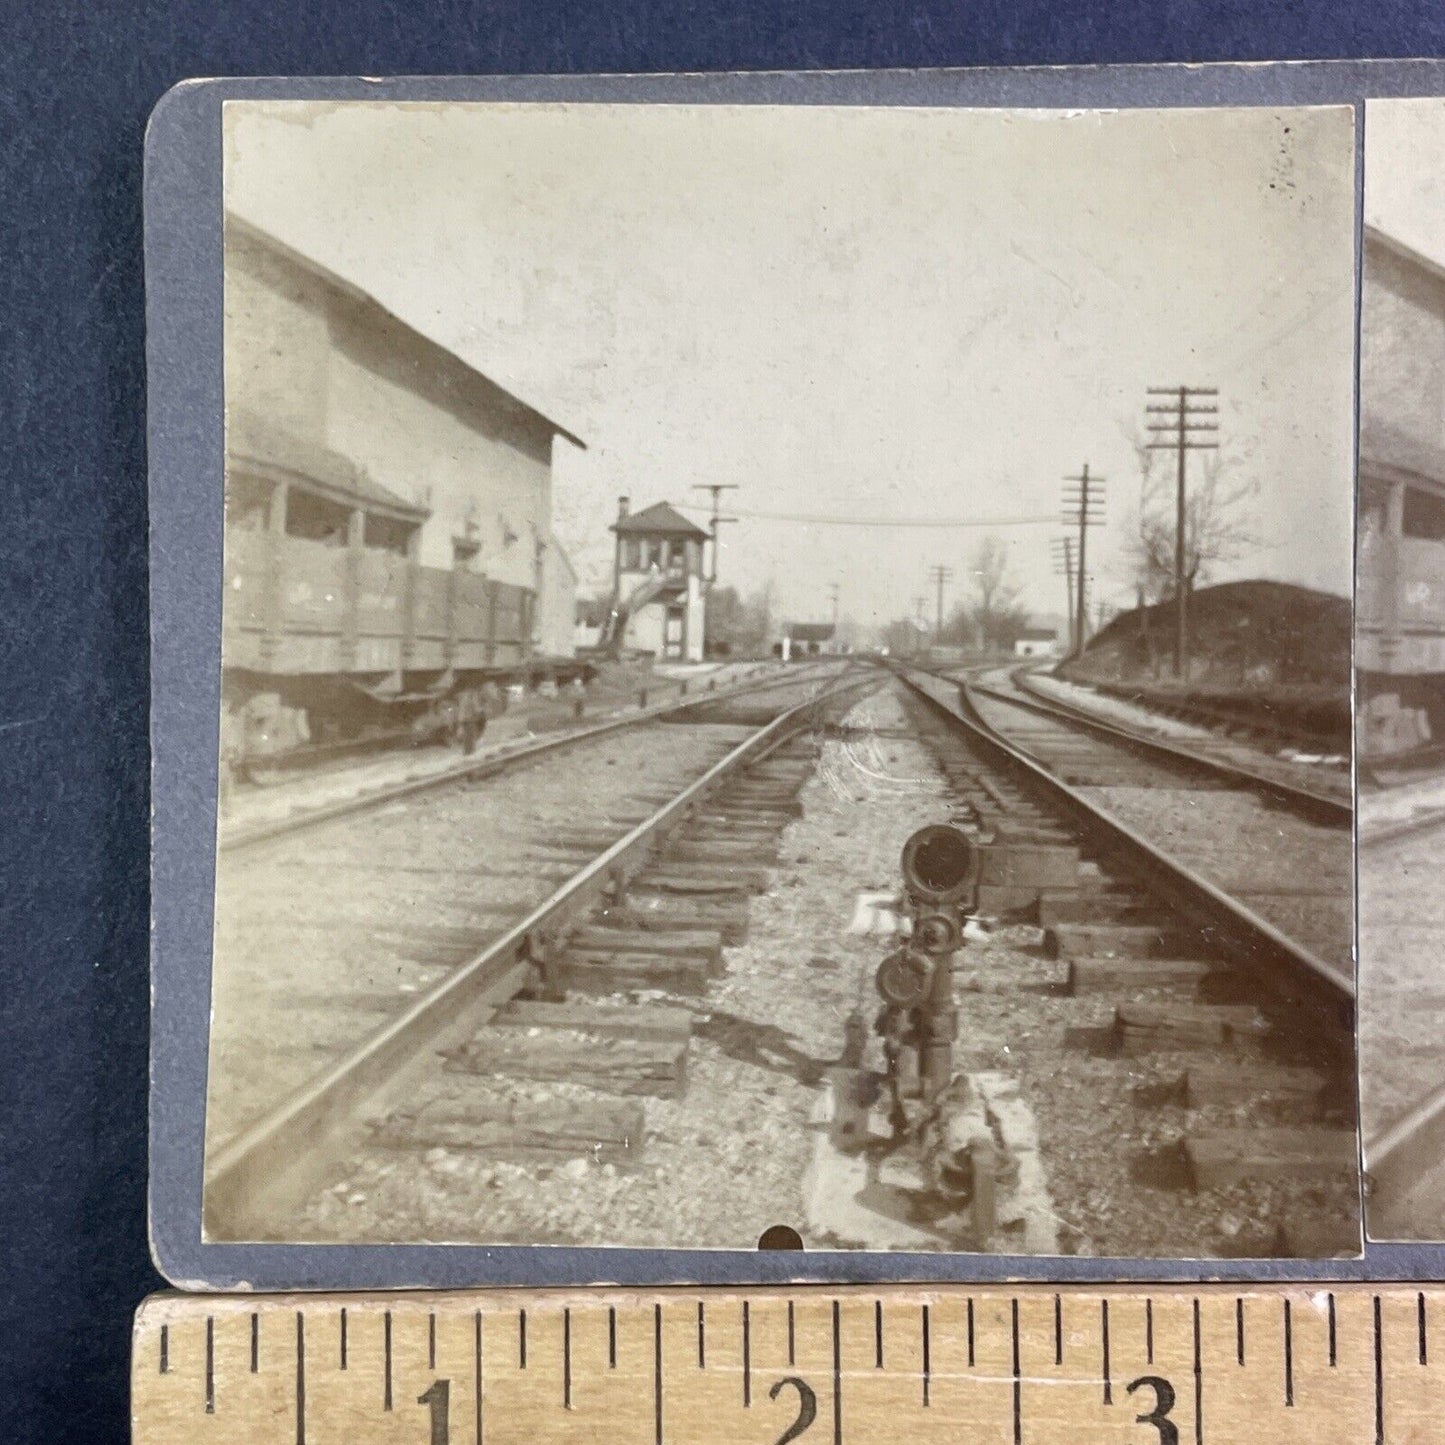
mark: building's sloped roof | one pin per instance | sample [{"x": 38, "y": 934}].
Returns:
[
  {"x": 810, "y": 631},
  {"x": 661, "y": 519},
  {"x": 243, "y": 227},
  {"x": 1387, "y": 451},
  {"x": 265, "y": 448}
]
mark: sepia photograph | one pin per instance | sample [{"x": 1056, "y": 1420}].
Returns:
[
  {"x": 1400, "y": 662},
  {"x": 786, "y": 677}
]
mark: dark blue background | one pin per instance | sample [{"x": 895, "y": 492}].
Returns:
[{"x": 78, "y": 83}]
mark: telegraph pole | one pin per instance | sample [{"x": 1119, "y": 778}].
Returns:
[
  {"x": 1064, "y": 567},
  {"x": 939, "y": 575},
  {"x": 717, "y": 489},
  {"x": 1179, "y": 429},
  {"x": 833, "y": 590},
  {"x": 1083, "y": 504}
]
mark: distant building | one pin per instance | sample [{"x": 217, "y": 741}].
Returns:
[
  {"x": 658, "y": 589},
  {"x": 809, "y": 639},
  {"x": 1037, "y": 642}
]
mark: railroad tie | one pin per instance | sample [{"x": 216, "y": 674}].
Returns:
[
  {"x": 1141, "y": 1028},
  {"x": 614, "y": 1058},
  {"x": 1220, "y": 1157},
  {"x": 704, "y": 944},
  {"x": 1215, "y": 1083},
  {"x": 1110, "y": 940},
  {"x": 677, "y": 875},
  {"x": 660, "y": 913},
  {"x": 586, "y": 971},
  {"x": 1112, "y": 905},
  {"x": 485, "y": 1118},
  {"x": 1124, "y": 975}
]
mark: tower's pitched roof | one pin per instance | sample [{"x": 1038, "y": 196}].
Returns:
[{"x": 661, "y": 519}]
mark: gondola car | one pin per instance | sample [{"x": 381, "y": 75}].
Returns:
[{"x": 1400, "y": 580}]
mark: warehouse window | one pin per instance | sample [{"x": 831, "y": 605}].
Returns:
[
  {"x": 387, "y": 534},
  {"x": 1424, "y": 515},
  {"x": 317, "y": 519}
]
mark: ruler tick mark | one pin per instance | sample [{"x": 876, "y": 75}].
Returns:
[
  {"x": 747, "y": 1358},
  {"x": 878, "y": 1334},
  {"x": 1149, "y": 1331},
  {"x": 1332, "y": 1329},
  {"x": 1288, "y": 1356},
  {"x": 165, "y": 1349},
  {"x": 431, "y": 1340},
  {"x": 1379, "y": 1378},
  {"x": 386, "y": 1354},
  {"x": 837, "y": 1379},
  {"x": 1058, "y": 1328},
  {"x": 477, "y": 1372},
  {"x": 1018, "y": 1378},
  {"x": 792, "y": 1352},
  {"x": 210, "y": 1365},
  {"x": 522, "y": 1339},
  {"x": 300, "y": 1378},
  {"x": 1198, "y": 1381},
  {"x": 343, "y": 1339},
  {"x": 1420, "y": 1314},
  {"x": 1104, "y": 1330},
  {"x": 566, "y": 1359},
  {"x": 970, "y": 1332},
  {"x": 1239, "y": 1330},
  {"x": 255, "y": 1342},
  {"x": 657, "y": 1370},
  {"x": 701, "y": 1338},
  {"x": 926, "y": 1361},
  {"x": 612, "y": 1337}
]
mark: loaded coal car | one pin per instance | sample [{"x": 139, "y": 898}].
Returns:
[
  {"x": 1400, "y": 585},
  {"x": 390, "y": 569}
]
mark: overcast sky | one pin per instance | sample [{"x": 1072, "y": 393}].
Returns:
[
  {"x": 1405, "y": 172},
  {"x": 872, "y": 314}
]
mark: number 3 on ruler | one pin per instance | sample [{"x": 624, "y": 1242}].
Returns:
[
  {"x": 438, "y": 1398},
  {"x": 1158, "y": 1417}
]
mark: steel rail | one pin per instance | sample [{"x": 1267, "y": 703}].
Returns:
[
  {"x": 1401, "y": 1154},
  {"x": 273, "y": 1163},
  {"x": 1317, "y": 807},
  {"x": 240, "y": 839},
  {"x": 1426, "y": 822},
  {"x": 1283, "y": 964}
]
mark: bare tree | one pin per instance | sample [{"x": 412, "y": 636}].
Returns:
[
  {"x": 998, "y": 618},
  {"x": 1216, "y": 519}
]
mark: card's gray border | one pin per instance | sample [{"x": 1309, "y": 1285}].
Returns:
[{"x": 183, "y": 309}]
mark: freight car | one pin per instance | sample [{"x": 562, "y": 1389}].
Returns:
[
  {"x": 1400, "y": 596},
  {"x": 1400, "y": 581},
  {"x": 334, "y": 635},
  {"x": 390, "y": 565}
]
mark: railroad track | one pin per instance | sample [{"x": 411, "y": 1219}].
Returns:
[
  {"x": 1238, "y": 719},
  {"x": 1402, "y": 930},
  {"x": 370, "y": 793},
  {"x": 562, "y": 1084},
  {"x": 642, "y": 870},
  {"x": 1323, "y": 800},
  {"x": 1245, "y": 1025}
]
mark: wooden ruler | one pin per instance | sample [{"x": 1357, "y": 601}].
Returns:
[{"x": 1340, "y": 1365}]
